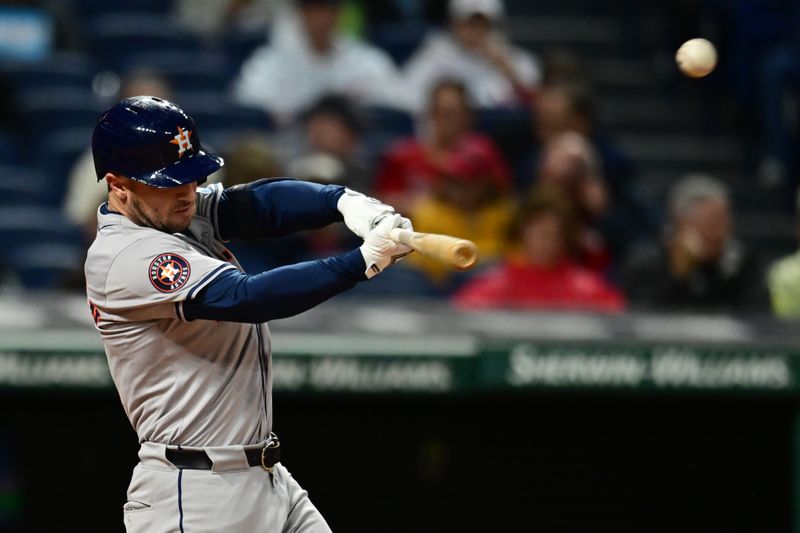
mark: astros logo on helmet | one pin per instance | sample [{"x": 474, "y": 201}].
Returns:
[{"x": 182, "y": 140}]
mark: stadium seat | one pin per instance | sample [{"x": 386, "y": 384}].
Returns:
[
  {"x": 497, "y": 121},
  {"x": 186, "y": 71},
  {"x": 385, "y": 125},
  {"x": 46, "y": 266},
  {"x": 89, "y": 9},
  {"x": 21, "y": 185},
  {"x": 399, "y": 40},
  {"x": 44, "y": 111},
  {"x": 389, "y": 121},
  {"x": 24, "y": 225},
  {"x": 58, "y": 154},
  {"x": 62, "y": 70},
  {"x": 214, "y": 112},
  {"x": 9, "y": 151},
  {"x": 239, "y": 45},
  {"x": 511, "y": 129},
  {"x": 114, "y": 39}
]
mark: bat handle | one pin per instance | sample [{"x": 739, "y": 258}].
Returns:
[
  {"x": 403, "y": 236},
  {"x": 460, "y": 254}
]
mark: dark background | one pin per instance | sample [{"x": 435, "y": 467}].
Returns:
[{"x": 532, "y": 462}]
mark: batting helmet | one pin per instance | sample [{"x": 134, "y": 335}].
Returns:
[{"x": 152, "y": 141}]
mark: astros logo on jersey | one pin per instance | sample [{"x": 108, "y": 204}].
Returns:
[
  {"x": 182, "y": 140},
  {"x": 169, "y": 272}
]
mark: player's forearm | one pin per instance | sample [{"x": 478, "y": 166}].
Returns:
[
  {"x": 268, "y": 208},
  {"x": 278, "y": 293}
]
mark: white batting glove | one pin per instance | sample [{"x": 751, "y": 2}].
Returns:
[
  {"x": 378, "y": 250},
  {"x": 361, "y": 213}
]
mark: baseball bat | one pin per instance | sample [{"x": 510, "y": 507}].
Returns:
[{"x": 459, "y": 254}]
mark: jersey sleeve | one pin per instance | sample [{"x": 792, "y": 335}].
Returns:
[
  {"x": 152, "y": 277},
  {"x": 207, "y": 201}
]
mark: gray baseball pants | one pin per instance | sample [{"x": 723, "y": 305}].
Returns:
[{"x": 232, "y": 497}]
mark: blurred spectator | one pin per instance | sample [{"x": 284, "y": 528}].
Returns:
[
  {"x": 570, "y": 107},
  {"x": 84, "y": 193},
  {"x": 783, "y": 281},
  {"x": 411, "y": 167},
  {"x": 540, "y": 272},
  {"x": 570, "y": 163},
  {"x": 310, "y": 59},
  {"x": 474, "y": 51},
  {"x": 211, "y": 19},
  {"x": 564, "y": 66},
  {"x": 248, "y": 157},
  {"x": 330, "y": 149},
  {"x": 469, "y": 200},
  {"x": 701, "y": 266}
]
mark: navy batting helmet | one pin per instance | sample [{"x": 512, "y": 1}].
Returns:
[{"x": 152, "y": 141}]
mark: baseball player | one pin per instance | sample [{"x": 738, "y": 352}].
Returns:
[{"x": 184, "y": 328}]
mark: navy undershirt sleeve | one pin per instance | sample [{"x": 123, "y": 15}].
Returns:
[
  {"x": 283, "y": 292},
  {"x": 274, "y": 207}
]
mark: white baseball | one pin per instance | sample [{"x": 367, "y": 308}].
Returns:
[{"x": 696, "y": 57}]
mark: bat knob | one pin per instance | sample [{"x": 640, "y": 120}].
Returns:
[{"x": 465, "y": 254}]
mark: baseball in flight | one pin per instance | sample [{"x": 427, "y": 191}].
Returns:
[{"x": 696, "y": 57}]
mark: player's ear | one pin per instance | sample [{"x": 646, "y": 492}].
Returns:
[{"x": 117, "y": 185}]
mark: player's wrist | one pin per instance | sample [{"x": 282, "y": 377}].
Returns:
[{"x": 379, "y": 251}]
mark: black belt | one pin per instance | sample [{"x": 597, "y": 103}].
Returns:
[{"x": 265, "y": 457}]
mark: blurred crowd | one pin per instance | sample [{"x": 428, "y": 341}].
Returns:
[{"x": 428, "y": 106}]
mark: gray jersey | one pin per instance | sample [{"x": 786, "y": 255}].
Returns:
[{"x": 199, "y": 383}]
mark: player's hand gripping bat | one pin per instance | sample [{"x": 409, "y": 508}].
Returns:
[{"x": 459, "y": 254}]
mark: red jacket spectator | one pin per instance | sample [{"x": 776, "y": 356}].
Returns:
[
  {"x": 544, "y": 273},
  {"x": 412, "y": 166},
  {"x": 526, "y": 286}
]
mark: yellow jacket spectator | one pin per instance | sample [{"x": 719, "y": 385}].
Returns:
[{"x": 469, "y": 201}]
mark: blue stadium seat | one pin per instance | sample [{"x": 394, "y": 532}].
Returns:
[
  {"x": 511, "y": 129},
  {"x": 88, "y": 9},
  {"x": 187, "y": 71},
  {"x": 47, "y": 110},
  {"x": 21, "y": 185},
  {"x": 39, "y": 245},
  {"x": 498, "y": 121},
  {"x": 389, "y": 121},
  {"x": 9, "y": 150},
  {"x": 239, "y": 45},
  {"x": 114, "y": 39},
  {"x": 211, "y": 111},
  {"x": 399, "y": 40},
  {"x": 46, "y": 266},
  {"x": 59, "y": 152},
  {"x": 62, "y": 70},
  {"x": 385, "y": 125},
  {"x": 24, "y": 225}
]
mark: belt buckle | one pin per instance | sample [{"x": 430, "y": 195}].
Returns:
[{"x": 272, "y": 443}]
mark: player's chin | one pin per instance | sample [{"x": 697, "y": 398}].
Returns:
[{"x": 181, "y": 218}]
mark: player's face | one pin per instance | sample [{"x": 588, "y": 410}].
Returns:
[{"x": 169, "y": 210}]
